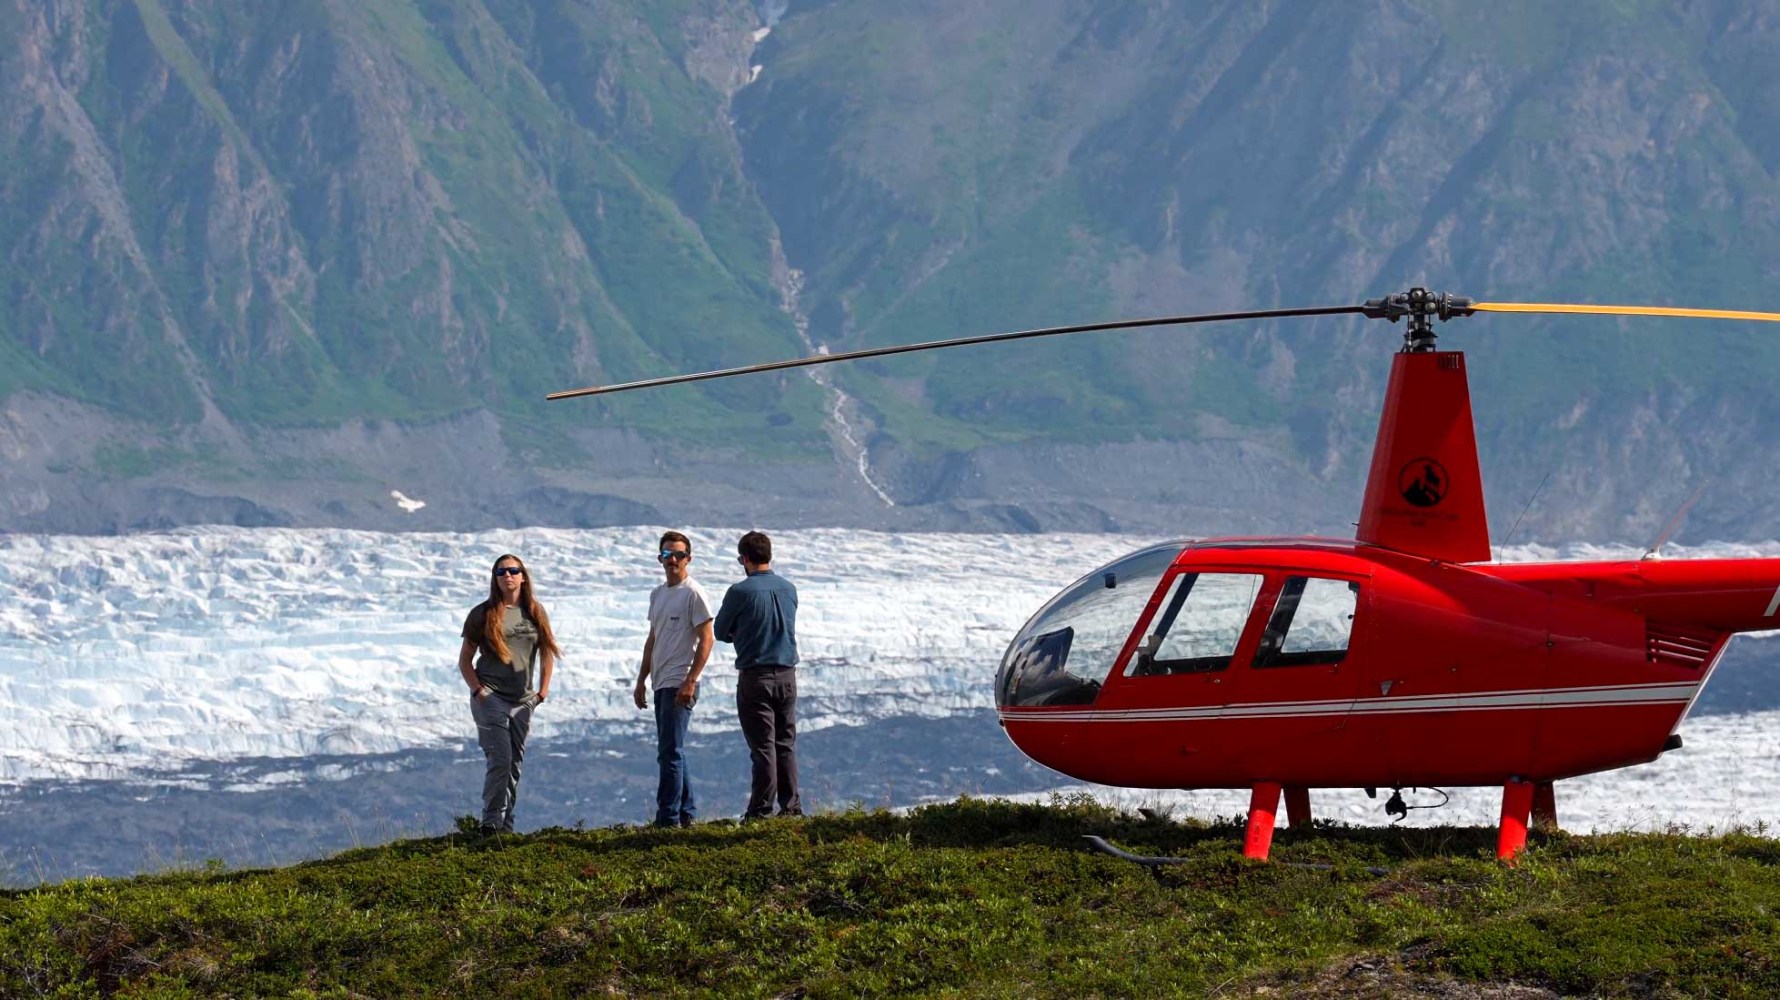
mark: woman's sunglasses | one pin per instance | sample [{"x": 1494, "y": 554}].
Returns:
[{"x": 509, "y": 571}]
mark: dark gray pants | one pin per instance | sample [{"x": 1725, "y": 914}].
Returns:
[
  {"x": 766, "y": 700},
  {"x": 501, "y": 727}
]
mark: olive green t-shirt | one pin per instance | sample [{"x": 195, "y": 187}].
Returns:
[{"x": 512, "y": 681}]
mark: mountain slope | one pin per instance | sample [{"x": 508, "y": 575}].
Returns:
[
  {"x": 266, "y": 264},
  {"x": 1093, "y": 161}
]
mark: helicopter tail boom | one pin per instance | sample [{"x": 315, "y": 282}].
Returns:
[{"x": 1710, "y": 595}]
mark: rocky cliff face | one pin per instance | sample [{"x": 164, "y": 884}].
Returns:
[
  {"x": 234, "y": 235},
  {"x": 1102, "y": 160},
  {"x": 264, "y": 266}
]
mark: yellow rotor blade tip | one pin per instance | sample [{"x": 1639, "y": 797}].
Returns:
[{"x": 1594, "y": 310}]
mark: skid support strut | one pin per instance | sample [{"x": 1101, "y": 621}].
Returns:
[
  {"x": 1517, "y": 802},
  {"x": 1263, "y": 806},
  {"x": 1298, "y": 807}
]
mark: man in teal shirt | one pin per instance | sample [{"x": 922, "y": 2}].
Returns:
[{"x": 759, "y": 616}]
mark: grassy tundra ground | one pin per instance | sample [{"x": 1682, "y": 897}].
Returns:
[{"x": 972, "y": 898}]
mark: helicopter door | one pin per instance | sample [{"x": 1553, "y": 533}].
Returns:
[
  {"x": 1285, "y": 703},
  {"x": 1189, "y": 644}
]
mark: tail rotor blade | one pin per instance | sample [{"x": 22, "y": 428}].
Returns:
[
  {"x": 992, "y": 338},
  {"x": 1593, "y": 310}
]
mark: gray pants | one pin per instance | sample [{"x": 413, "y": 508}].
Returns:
[
  {"x": 501, "y": 727},
  {"x": 766, "y": 700}
]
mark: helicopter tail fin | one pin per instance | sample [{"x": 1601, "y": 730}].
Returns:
[{"x": 1424, "y": 495}]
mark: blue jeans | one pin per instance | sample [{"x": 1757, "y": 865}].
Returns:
[{"x": 673, "y": 796}]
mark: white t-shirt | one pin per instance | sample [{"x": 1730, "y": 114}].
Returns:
[{"x": 675, "y": 613}]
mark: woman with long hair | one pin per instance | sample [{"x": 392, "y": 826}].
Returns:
[{"x": 511, "y": 633}]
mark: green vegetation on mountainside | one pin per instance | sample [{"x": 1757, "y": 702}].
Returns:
[
  {"x": 971, "y": 899},
  {"x": 395, "y": 210},
  {"x": 1092, "y": 162},
  {"x": 407, "y": 209}
]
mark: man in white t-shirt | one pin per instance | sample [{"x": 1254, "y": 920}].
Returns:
[{"x": 674, "y": 655}]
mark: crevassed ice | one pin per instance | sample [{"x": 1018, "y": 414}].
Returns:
[{"x": 149, "y": 652}]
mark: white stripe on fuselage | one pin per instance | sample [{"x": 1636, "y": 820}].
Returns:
[{"x": 1480, "y": 701}]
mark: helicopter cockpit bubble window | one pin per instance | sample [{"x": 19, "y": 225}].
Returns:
[
  {"x": 1061, "y": 655},
  {"x": 1198, "y": 625},
  {"x": 1311, "y": 624}
]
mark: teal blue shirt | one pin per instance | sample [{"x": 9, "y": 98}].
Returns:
[{"x": 759, "y": 616}]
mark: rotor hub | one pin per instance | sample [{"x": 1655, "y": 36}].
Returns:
[{"x": 1420, "y": 308}]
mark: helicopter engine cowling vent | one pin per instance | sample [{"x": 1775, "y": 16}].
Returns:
[{"x": 1680, "y": 647}]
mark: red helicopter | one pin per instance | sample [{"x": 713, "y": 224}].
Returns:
[{"x": 1401, "y": 658}]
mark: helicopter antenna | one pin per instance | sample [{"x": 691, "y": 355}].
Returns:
[
  {"x": 1523, "y": 513},
  {"x": 1662, "y": 538}
]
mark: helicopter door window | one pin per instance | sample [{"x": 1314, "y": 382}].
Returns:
[
  {"x": 1310, "y": 625},
  {"x": 1198, "y": 625}
]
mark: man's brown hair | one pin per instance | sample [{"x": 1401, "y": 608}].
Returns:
[
  {"x": 674, "y": 536},
  {"x": 756, "y": 548}
]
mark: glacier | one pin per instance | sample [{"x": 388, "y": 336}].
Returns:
[
  {"x": 142, "y": 653},
  {"x": 137, "y": 657}
]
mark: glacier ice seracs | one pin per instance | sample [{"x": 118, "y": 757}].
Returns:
[{"x": 122, "y": 656}]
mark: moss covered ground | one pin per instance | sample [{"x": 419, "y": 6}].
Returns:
[{"x": 971, "y": 898}]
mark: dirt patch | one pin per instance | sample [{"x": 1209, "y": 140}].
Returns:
[{"x": 1372, "y": 976}]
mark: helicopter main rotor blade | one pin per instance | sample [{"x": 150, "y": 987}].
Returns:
[
  {"x": 991, "y": 338},
  {"x": 1571, "y": 307}
]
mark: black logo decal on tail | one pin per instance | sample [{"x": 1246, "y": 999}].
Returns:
[{"x": 1423, "y": 482}]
